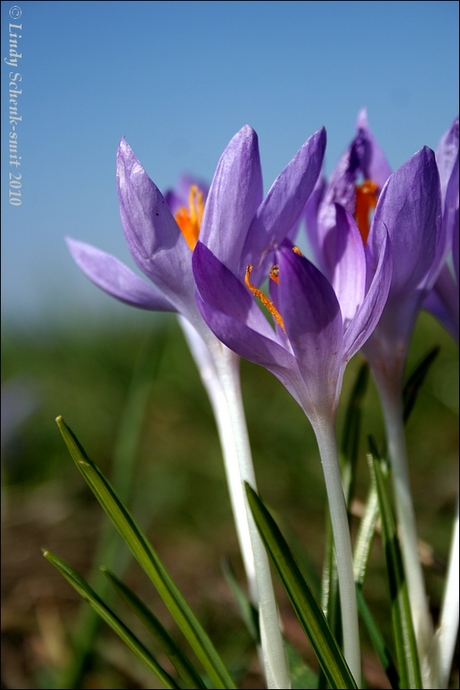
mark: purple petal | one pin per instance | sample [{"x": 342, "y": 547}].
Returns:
[
  {"x": 311, "y": 221},
  {"x": 447, "y": 154},
  {"x": 285, "y": 201},
  {"x": 442, "y": 302},
  {"x": 235, "y": 193},
  {"x": 115, "y": 278},
  {"x": 313, "y": 324},
  {"x": 153, "y": 236},
  {"x": 365, "y": 321},
  {"x": 223, "y": 292},
  {"x": 455, "y": 246},
  {"x": 409, "y": 208},
  {"x": 349, "y": 273},
  {"x": 253, "y": 346}
]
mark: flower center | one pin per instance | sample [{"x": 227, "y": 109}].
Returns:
[
  {"x": 189, "y": 220},
  {"x": 366, "y": 201}
]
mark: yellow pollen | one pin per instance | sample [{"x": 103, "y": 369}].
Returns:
[
  {"x": 265, "y": 301},
  {"x": 366, "y": 200},
  {"x": 189, "y": 220},
  {"x": 296, "y": 250}
]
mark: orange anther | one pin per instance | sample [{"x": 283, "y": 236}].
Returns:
[
  {"x": 189, "y": 220},
  {"x": 265, "y": 301}
]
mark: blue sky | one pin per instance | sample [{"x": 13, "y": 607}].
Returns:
[{"x": 178, "y": 80}]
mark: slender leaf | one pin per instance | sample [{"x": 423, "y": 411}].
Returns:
[
  {"x": 365, "y": 535},
  {"x": 415, "y": 380},
  {"x": 406, "y": 649},
  {"x": 180, "y": 661},
  {"x": 149, "y": 560},
  {"x": 377, "y": 640},
  {"x": 306, "y": 607},
  {"x": 110, "y": 547},
  {"x": 352, "y": 431},
  {"x": 110, "y": 618}
]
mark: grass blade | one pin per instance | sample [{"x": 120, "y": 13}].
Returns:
[
  {"x": 111, "y": 619},
  {"x": 365, "y": 535},
  {"x": 406, "y": 648},
  {"x": 149, "y": 560},
  {"x": 415, "y": 380},
  {"x": 182, "y": 664},
  {"x": 306, "y": 607},
  {"x": 352, "y": 431},
  {"x": 377, "y": 640},
  {"x": 123, "y": 469}
]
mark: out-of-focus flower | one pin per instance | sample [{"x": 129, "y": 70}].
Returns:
[
  {"x": 355, "y": 184},
  {"x": 442, "y": 301}
]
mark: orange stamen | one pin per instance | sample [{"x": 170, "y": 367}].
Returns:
[
  {"x": 189, "y": 220},
  {"x": 366, "y": 201},
  {"x": 265, "y": 301}
]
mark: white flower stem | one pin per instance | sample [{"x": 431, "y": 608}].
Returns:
[
  {"x": 392, "y": 407},
  {"x": 446, "y": 634},
  {"x": 327, "y": 443},
  {"x": 219, "y": 371}
]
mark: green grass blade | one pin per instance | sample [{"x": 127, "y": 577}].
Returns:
[
  {"x": 352, "y": 431},
  {"x": 377, "y": 640},
  {"x": 111, "y": 619},
  {"x": 149, "y": 560},
  {"x": 406, "y": 648},
  {"x": 415, "y": 381},
  {"x": 365, "y": 535},
  {"x": 306, "y": 607},
  {"x": 123, "y": 470},
  {"x": 183, "y": 666}
]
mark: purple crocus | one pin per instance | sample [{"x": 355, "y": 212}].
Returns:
[
  {"x": 442, "y": 301},
  {"x": 409, "y": 209},
  {"x": 317, "y": 329},
  {"x": 238, "y": 223}
]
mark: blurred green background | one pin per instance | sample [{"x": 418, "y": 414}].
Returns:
[{"x": 83, "y": 370}]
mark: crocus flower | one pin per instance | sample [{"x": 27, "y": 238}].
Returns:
[
  {"x": 442, "y": 301},
  {"x": 408, "y": 206},
  {"x": 317, "y": 329},
  {"x": 237, "y": 222}
]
